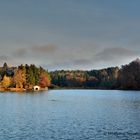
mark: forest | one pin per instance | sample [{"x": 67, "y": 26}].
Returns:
[
  {"x": 25, "y": 77},
  {"x": 126, "y": 77}
]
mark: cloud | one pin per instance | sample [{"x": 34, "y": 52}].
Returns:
[
  {"x": 81, "y": 61},
  {"x": 20, "y": 52},
  {"x": 34, "y": 54},
  {"x": 81, "y": 57},
  {"x": 3, "y": 58},
  {"x": 116, "y": 56},
  {"x": 32, "y": 51},
  {"x": 49, "y": 48}
]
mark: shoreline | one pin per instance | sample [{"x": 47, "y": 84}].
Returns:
[
  {"x": 31, "y": 90},
  {"x": 20, "y": 90}
]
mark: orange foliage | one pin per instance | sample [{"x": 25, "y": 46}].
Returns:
[{"x": 44, "y": 80}]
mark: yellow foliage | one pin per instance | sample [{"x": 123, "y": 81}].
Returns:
[
  {"x": 6, "y": 81},
  {"x": 19, "y": 78}
]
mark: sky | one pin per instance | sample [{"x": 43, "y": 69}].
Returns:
[{"x": 69, "y": 34}]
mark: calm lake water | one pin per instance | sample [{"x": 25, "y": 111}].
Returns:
[{"x": 70, "y": 115}]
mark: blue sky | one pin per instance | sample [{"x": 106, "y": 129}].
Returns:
[{"x": 69, "y": 34}]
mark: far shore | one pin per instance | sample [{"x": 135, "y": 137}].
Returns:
[
  {"x": 19, "y": 89},
  {"x": 58, "y": 88}
]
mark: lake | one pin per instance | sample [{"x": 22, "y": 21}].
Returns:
[{"x": 70, "y": 115}]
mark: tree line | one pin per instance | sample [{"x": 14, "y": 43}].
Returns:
[
  {"x": 27, "y": 76},
  {"x": 24, "y": 76},
  {"x": 126, "y": 77}
]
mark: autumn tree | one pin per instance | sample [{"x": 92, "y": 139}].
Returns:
[
  {"x": 19, "y": 78},
  {"x": 44, "y": 80},
  {"x": 6, "y": 82}
]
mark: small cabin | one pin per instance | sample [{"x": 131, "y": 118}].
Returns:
[{"x": 36, "y": 88}]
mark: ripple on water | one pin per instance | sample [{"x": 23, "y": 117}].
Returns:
[{"x": 70, "y": 115}]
